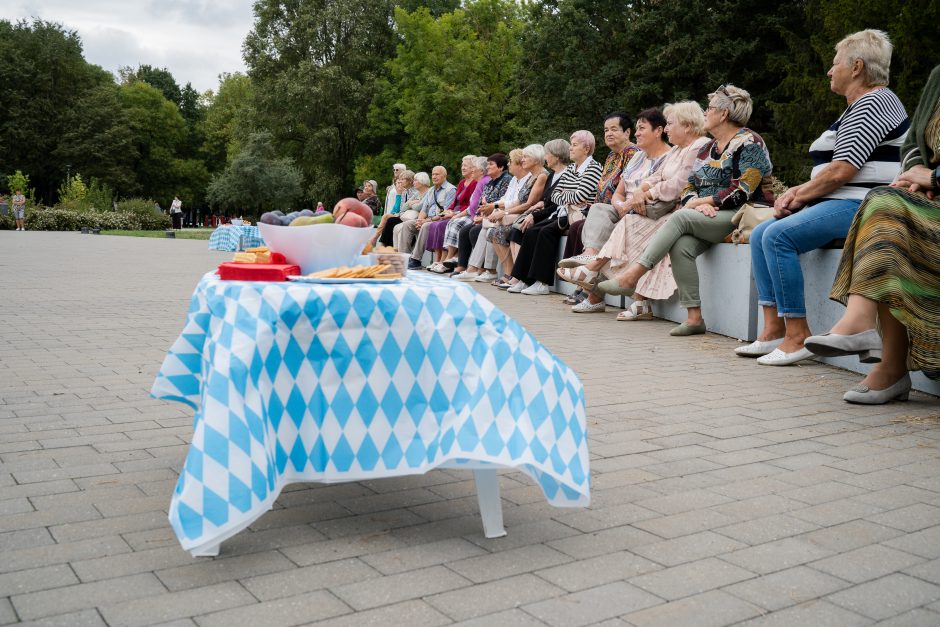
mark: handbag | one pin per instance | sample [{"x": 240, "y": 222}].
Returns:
[
  {"x": 568, "y": 216},
  {"x": 658, "y": 208},
  {"x": 409, "y": 214},
  {"x": 746, "y": 218}
]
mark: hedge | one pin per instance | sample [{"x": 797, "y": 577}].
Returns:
[{"x": 51, "y": 219}]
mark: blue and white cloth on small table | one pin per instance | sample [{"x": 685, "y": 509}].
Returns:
[
  {"x": 233, "y": 238},
  {"x": 306, "y": 382}
]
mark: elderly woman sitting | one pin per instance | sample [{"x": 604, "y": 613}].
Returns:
[
  {"x": 476, "y": 259},
  {"x": 410, "y": 207},
  {"x": 648, "y": 192},
  {"x": 860, "y": 150},
  {"x": 732, "y": 169},
  {"x": 534, "y": 267},
  {"x": 465, "y": 189},
  {"x": 889, "y": 275},
  {"x": 465, "y": 217},
  {"x": 404, "y": 192},
  {"x": 370, "y": 197}
]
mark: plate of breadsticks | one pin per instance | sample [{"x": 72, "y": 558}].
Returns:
[{"x": 377, "y": 273}]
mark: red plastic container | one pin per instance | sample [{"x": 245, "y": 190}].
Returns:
[{"x": 231, "y": 271}]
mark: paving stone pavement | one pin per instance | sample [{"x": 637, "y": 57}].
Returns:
[{"x": 723, "y": 492}]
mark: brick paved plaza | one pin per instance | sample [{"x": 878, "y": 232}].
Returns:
[{"x": 723, "y": 492}]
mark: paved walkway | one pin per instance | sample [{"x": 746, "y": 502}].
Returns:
[{"x": 723, "y": 492}]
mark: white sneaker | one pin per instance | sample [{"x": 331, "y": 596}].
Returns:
[
  {"x": 577, "y": 260},
  {"x": 536, "y": 289},
  {"x": 780, "y": 358},
  {"x": 486, "y": 276},
  {"x": 468, "y": 276},
  {"x": 517, "y": 287}
]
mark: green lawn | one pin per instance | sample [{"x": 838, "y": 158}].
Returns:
[{"x": 183, "y": 234}]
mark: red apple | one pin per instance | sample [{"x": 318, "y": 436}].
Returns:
[{"x": 351, "y": 205}]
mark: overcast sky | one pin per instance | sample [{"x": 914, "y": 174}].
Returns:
[{"x": 195, "y": 39}]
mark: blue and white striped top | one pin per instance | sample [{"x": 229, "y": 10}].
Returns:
[{"x": 867, "y": 135}]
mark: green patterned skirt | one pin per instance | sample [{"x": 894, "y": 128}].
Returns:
[{"x": 892, "y": 256}]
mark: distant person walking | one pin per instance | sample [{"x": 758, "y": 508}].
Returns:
[
  {"x": 176, "y": 213},
  {"x": 4, "y": 205},
  {"x": 19, "y": 210}
]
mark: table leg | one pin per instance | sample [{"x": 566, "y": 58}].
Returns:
[
  {"x": 208, "y": 551},
  {"x": 491, "y": 508}
]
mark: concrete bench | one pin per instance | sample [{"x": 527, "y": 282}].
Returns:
[{"x": 729, "y": 299}]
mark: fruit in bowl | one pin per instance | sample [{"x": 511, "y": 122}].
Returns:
[
  {"x": 316, "y": 247},
  {"x": 352, "y": 212}
]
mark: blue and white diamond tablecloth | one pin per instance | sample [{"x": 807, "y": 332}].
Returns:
[
  {"x": 302, "y": 382},
  {"x": 233, "y": 238}
]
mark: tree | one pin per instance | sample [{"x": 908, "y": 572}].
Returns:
[
  {"x": 43, "y": 75},
  {"x": 227, "y": 120},
  {"x": 446, "y": 109},
  {"x": 97, "y": 139},
  {"x": 161, "y": 78},
  {"x": 313, "y": 66},
  {"x": 256, "y": 179},
  {"x": 157, "y": 128}
]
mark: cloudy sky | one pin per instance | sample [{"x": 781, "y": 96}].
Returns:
[{"x": 195, "y": 39}]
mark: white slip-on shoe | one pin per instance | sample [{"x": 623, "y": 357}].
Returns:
[
  {"x": 517, "y": 288},
  {"x": 779, "y": 358},
  {"x": 586, "y": 306},
  {"x": 487, "y": 276},
  {"x": 758, "y": 348},
  {"x": 536, "y": 289},
  {"x": 468, "y": 276},
  {"x": 577, "y": 260},
  {"x": 864, "y": 395},
  {"x": 867, "y": 345}
]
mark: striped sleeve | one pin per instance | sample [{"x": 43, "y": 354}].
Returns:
[
  {"x": 578, "y": 190},
  {"x": 870, "y": 121}
]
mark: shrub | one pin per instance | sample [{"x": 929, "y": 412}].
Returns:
[
  {"x": 73, "y": 191},
  {"x": 59, "y": 219},
  {"x": 137, "y": 205}
]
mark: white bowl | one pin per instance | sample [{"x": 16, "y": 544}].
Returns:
[
  {"x": 236, "y": 222},
  {"x": 317, "y": 246}
]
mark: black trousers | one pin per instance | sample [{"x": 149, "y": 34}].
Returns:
[
  {"x": 177, "y": 220},
  {"x": 388, "y": 230},
  {"x": 466, "y": 240},
  {"x": 538, "y": 253}
]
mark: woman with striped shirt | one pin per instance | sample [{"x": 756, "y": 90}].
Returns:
[
  {"x": 861, "y": 150},
  {"x": 577, "y": 187}
]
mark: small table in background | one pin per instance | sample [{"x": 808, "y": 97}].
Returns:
[{"x": 233, "y": 238}]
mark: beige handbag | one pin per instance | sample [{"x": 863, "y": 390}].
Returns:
[
  {"x": 747, "y": 217},
  {"x": 409, "y": 214}
]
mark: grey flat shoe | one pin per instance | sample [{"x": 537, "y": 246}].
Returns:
[
  {"x": 864, "y": 395},
  {"x": 867, "y": 345},
  {"x": 612, "y": 287},
  {"x": 688, "y": 329}
]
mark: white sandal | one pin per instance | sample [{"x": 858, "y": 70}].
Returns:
[{"x": 639, "y": 310}]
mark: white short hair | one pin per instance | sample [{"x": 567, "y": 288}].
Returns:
[
  {"x": 536, "y": 152},
  {"x": 873, "y": 48},
  {"x": 399, "y": 166},
  {"x": 423, "y": 178},
  {"x": 736, "y": 101},
  {"x": 480, "y": 163}
]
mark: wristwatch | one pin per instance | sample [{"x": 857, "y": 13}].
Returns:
[{"x": 934, "y": 185}]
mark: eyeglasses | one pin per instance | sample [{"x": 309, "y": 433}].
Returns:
[{"x": 722, "y": 89}]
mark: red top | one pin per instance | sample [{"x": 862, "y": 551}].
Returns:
[{"x": 464, "y": 193}]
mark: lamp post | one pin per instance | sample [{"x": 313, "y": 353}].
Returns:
[{"x": 68, "y": 173}]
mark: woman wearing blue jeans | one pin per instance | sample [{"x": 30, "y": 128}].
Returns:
[{"x": 859, "y": 151}]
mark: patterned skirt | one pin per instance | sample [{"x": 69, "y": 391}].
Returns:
[
  {"x": 453, "y": 230},
  {"x": 436, "y": 234},
  {"x": 627, "y": 243},
  {"x": 892, "y": 256}
]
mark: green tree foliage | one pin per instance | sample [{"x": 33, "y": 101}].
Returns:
[
  {"x": 314, "y": 66},
  {"x": 157, "y": 128},
  {"x": 227, "y": 120},
  {"x": 73, "y": 189},
  {"x": 452, "y": 84},
  {"x": 18, "y": 181},
  {"x": 42, "y": 74},
  {"x": 256, "y": 180},
  {"x": 97, "y": 139},
  {"x": 161, "y": 78}
]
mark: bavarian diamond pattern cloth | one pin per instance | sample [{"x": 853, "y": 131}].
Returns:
[
  {"x": 234, "y": 238},
  {"x": 302, "y": 382}
]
